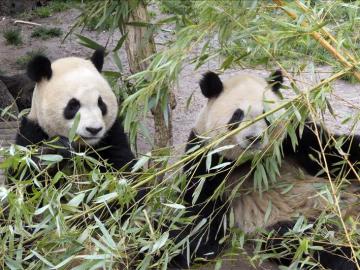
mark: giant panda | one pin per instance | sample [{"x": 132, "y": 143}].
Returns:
[
  {"x": 225, "y": 173},
  {"x": 65, "y": 88}
]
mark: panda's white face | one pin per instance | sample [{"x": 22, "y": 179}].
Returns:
[
  {"x": 243, "y": 98},
  {"x": 74, "y": 87}
]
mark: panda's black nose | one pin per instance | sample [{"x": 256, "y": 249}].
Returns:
[{"x": 94, "y": 131}]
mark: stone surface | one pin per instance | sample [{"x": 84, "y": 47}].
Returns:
[
  {"x": 6, "y": 100},
  {"x": 21, "y": 88}
]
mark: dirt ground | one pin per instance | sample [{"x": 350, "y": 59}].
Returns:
[{"x": 345, "y": 98}]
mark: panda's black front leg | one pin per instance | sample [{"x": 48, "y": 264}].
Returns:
[
  {"x": 197, "y": 168},
  {"x": 117, "y": 152},
  {"x": 205, "y": 243},
  {"x": 319, "y": 143},
  {"x": 351, "y": 148},
  {"x": 30, "y": 133},
  {"x": 117, "y": 149}
]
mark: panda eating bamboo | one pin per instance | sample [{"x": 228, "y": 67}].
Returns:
[
  {"x": 238, "y": 139},
  {"x": 68, "y": 87}
]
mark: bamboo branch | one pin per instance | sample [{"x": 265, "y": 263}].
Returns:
[
  {"x": 321, "y": 40},
  {"x": 327, "y": 33}
]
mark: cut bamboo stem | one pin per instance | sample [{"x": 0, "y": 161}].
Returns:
[
  {"x": 322, "y": 41},
  {"x": 26, "y": 22}
]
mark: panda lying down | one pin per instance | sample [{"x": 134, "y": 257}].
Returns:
[{"x": 298, "y": 189}]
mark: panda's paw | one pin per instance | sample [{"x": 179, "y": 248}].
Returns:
[{"x": 62, "y": 146}]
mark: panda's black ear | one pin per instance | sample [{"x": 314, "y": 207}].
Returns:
[
  {"x": 276, "y": 80},
  {"x": 39, "y": 68},
  {"x": 211, "y": 85},
  {"x": 98, "y": 58}
]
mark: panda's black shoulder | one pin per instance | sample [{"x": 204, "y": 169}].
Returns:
[{"x": 115, "y": 135}]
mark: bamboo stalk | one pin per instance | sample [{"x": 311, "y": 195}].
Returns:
[{"x": 321, "y": 40}]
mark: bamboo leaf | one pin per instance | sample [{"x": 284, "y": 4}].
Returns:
[
  {"x": 87, "y": 42},
  {"x": 74, "y": 127},
  {"x": 109, "y": 241},
  {"x": 51, "y": 157},
  {"x": 120, "y": 42},
  {"x": 160, "y": 242},
  {"x": 64, "y": 262},
  {"x": 41, "y": 210},
  {"x": 75, "y": 202},
  {"x": 174, "y": 205},
  {"x": 106, "y": 197},
  {"x": 41, "y": 258},
  {"x": 141, "y": 162},
  {"x": 198, "y": 189},
  {"x": 268, "y": 212}
]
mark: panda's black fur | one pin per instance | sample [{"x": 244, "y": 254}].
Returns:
[{"x": 213, "y": 208}]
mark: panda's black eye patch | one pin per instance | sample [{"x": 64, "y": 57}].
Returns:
[
  {"x": 71, "y": 108},
  {"x": 102, "y": 106},
  {"x": 235, "y": 120}
]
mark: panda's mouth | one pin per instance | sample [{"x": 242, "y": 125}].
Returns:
[{"x": 89, "y": 138}]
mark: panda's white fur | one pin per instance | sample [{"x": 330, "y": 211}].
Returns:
[
  {"x": 297, "y": 190},
  {"x": 78, "y": 78},
  {"x": 248, "y": 92}
]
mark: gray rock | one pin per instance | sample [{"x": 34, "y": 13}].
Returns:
[
  {"x": 6, "y": 100},
  {"x": 21, "y": 88}
]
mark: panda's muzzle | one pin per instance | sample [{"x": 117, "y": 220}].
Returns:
[{"x": 93, "y": 131}]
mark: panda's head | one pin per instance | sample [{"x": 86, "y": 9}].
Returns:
[
  {"x": 236, "y": 102},
  {"x": 69, "y": 86}
]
